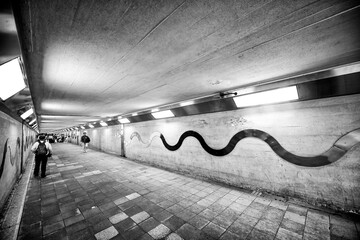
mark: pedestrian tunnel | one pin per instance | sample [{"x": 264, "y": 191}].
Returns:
[{"x": 260, "y": 97}]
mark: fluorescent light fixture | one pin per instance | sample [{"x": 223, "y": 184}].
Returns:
[
  {"x": 134, "y": 114},
  {"x": 82, "y": 127},
  {"x": 163, "y": 114},
  {"x": 267, "y": 97},
  {"x": 72, "y": 118},
  {"x": 12, "y": 80},
  {"x": 243, "y": 91},
  {"x": 124, "y": 120},
  {"x": 154, "y": 110},
  {"x": 32, "y": 121},
  {"x": 109, "y": 119},
  {"x": 90, "y": 125},
  {"x": 54, "y": 116},
  {"x": 104, "y": 124},
  {"x": 183, "y": 104},
  {"x": 26, "y": 114}
]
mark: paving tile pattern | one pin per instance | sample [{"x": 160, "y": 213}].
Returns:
[{"x": 94, "y": 195}]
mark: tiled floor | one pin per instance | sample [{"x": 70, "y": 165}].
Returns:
[{"x": 94, "y": 195}]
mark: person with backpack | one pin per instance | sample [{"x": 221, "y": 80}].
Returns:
[
  {"x": 85, "y": 140},
  {"x": 42, "y": 151}
]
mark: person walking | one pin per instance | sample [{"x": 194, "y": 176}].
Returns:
[
  {"x": 42, "y": 151},
  {"x": 85, "y": 141}
]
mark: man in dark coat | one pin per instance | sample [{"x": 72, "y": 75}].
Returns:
[{"x": 85, "y": 141}]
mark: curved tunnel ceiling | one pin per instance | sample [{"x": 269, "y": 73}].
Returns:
[{"x": 89, "y": 59}]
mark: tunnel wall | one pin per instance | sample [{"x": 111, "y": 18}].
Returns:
[
  {"x": 106, "y": 139},
  {"x": 15, "y": 144},
  {"x": 306, "y": 129}
]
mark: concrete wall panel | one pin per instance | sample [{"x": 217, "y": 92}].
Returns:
[
  {"x": 306, "y": 129},
  {"x": 29, "y": 137},
  {"x": 15, "y": 143},
  {"x": 106, "y": 139}
]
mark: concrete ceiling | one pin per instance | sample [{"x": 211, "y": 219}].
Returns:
[
  {"x": 93, "y": 59},
  {"x": 9, "y": 45}
]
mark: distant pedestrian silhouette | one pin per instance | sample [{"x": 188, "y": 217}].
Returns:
[{"x": 85, "y": 141}]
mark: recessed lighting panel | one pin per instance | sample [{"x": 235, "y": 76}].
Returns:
[
  {"x": 163, "y": 114},
  {"x": 32, "y": 121},
  {"x": 12, "y": 80},
  {"x": 267, "y": 97},
  {"x": 124, "y": 120},
  {"x": 183, "y": 104},
  {"x": 26, "y": 114}
]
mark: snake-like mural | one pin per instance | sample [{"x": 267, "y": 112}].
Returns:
[
  {"x": 339, "y": 148},
  {"x": 147, "y": 144},
  {"x": 12, "y": 156},
  {"x": 28, "y": 142}
]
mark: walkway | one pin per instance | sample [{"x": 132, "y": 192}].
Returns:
[{"x": 94, "y": 195}]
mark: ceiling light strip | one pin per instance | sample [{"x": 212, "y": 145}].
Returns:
[
  {"x": 163, "y": 114},
  {"x": 104, "y": 124},
  {"x": 124, "y": 120},
  {"x": 26, "y": 114},
  {"x": 32, "y": 121},
  {"x": 267, "y": 97},
  {"x": 12, "y": 79}
]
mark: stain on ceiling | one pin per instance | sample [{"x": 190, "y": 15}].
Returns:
[{"x": 93, "y": 59}]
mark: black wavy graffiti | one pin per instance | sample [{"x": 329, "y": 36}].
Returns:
[
  {"x": 25, "y": 146},
  {"x": 28, "y": 142},
  {"x": 332, "y": 155},
  {"x": 3, "y": 158},
  {"x": 12, "y": 156},
  {"x": 31, "y": 140}
]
